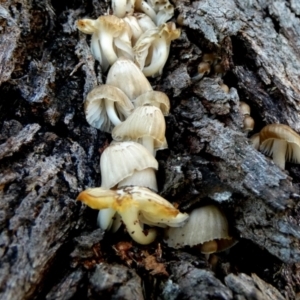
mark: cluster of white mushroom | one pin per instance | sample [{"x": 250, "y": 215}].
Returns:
[
  {"x": 137, "y": 30},
  {"x": 134, "y": 44}
]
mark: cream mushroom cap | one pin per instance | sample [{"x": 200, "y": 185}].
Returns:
[
  {"x": 111, "y": 38},
  {"x": 155, "y": 98},
  {"x": 211, "y": 58},
  {"x": 282, "y": 142},
  {"x": 244, "y": 108},
  {"x": 145, "y": 125},
  {"x": 248, "y": 123},
  {"x": 123, "y": 160},
  {"x": 106, "y": 106},
  {"x": 132, "y": 203},
  {"x": 164, "y": 10},
  {"x": 125, "y": 75},
  {"x": 206, "y": 225},
  {"x": 87, "y": 26}
]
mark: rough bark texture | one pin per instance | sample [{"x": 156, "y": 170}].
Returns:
[{"x": 50, "y": 247}]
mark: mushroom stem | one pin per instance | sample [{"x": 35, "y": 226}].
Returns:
[
  {"x": 106, "y": 43},
  {"x": 131, "y": 220},
  {"x": 105, "y": 218},
  {"x": 209, "y": 247},
  {"x": 159, "y": 58},
  {"x": 96, "y": 51},
  {"x": 95, "y": 48},
  {"x": 146, "y": 8},
  {"x": 144, "y": 178},
  {"x": 111, "y": 112},
  {"x": 148, "y": 143},
  {"x": 279, "y": 151},
  {"x": 117, "y": 222}
]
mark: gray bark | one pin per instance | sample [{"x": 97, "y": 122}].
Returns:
[{"x": 50, "y": 247}]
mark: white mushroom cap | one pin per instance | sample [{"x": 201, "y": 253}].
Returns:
[
  {"x": 282, "y": 142},
  {"x": 145, "y": 125},
  {"x": 244, "y": 108},
  {"x": 205, "y": 224},
  {"x": 125, "y": 75},
  {"x": 211, "y": 58},
  {"x": 155, "y": 98},
  {"x": 219, "y": 70},
  {"x": 132, "y": 203},
  {"x": 106, "y": 106},
  {"x": 129, "y": 163}
]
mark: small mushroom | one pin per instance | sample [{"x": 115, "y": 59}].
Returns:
[
  {"x": 180, "y": 20},
  {"x": 211, "y": 58},
  {"x": 244, "y": 109},
  {"x": 225, "y": 88},
  {"x": 248, "y": 123},
  {"x": 109, "y": 219},
  {"x": 219, "y": 70},
  {"x": 145, "y": 125},
  {"x": 164, "y": 13},
  {"x": 143, "y": 6},
  {"x": 111, "y": 37},
  {"x": 106, "y": 106},
  {"x": 155, "y": 98},
  {"x": 281, "y": 142},
  {"x": 135, "y": 84},
  {"x": 203, "y": 69},
  {"x": 136, "y": 206},
  {"x": 129, "y": 163},
  {"x": 207, "y": 227}
]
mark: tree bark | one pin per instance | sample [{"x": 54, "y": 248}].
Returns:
[{"x": 50, "y": 247}]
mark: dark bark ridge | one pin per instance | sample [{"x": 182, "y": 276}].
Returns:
[{"x": 48, "y": 153}]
